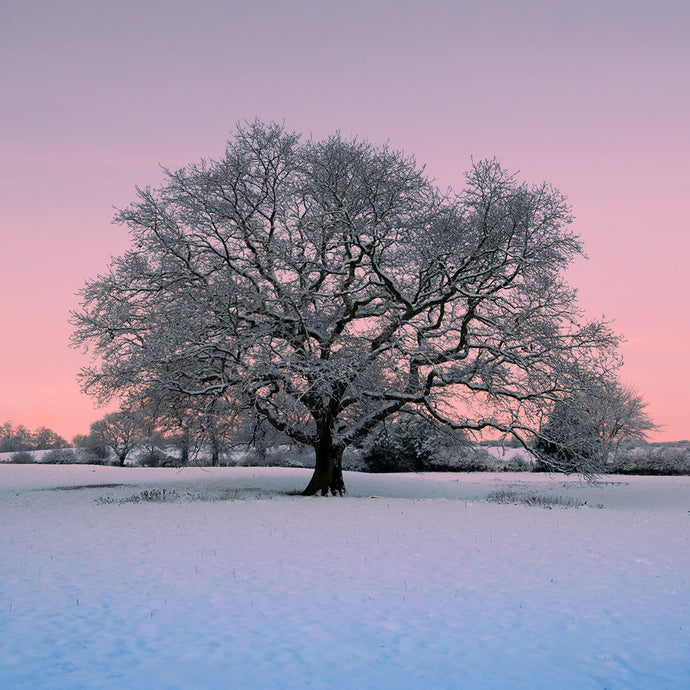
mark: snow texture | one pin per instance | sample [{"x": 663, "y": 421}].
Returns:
[{"x": 411, "y": 581}]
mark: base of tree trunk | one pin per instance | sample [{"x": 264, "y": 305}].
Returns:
[{"x": 327, "y": 478}]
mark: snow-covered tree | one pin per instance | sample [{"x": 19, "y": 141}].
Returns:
[
  {"x": 118, "y": 431},
  {"x": 590, "y": 422},
  {"x": 323, "y": 286}
]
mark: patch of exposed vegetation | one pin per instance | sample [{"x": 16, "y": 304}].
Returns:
[
  {"x": 84, "y": 486},
  {"x": 172, "y": 496},
  {"x": 516, "y": 497}
]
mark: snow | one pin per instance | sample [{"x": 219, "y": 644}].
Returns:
[
  {"x": 507, "y": 453},
  {"x": 411, "y": 581}
]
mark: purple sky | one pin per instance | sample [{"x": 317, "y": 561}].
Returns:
[{"x": 592, "y": 96}]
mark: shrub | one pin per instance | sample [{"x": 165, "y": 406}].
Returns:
[
  {"x": 409, "y": 444},
  {"x": 60, "y": 456},
  {"x": 468, "y": 458},
  {"x": 22, "y": 457},
  {"x": 517, "y": 464},
  {"x": 278, "y": 456},
  {"x": 653, "y": 459},
  {"x": 152, "y": 457},
  {"x": 465, "y": 459},
  {"x": 400, "y": 447}
]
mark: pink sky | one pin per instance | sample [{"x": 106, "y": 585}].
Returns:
[{"x": 592, "y": 96}]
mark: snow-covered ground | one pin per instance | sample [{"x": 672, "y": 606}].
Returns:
[{"x": 411, "y": 581}]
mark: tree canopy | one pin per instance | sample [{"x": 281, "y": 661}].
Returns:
[{"x": 322, "y": 286}]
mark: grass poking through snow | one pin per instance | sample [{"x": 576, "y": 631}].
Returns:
[{"x": 515, "y": 497}]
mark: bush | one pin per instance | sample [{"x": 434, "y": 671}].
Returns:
[
  {"x": 23, "y": 457},
  {"x": 280, "y": 456},
  {"x": 417, "y": 445},
  {"x": 467, "y": 459},
  {"x": 152, "y": 457},
  {"x": 517, "y": 464},
  {"x": 652, "y": 459},
  {"x": 410, "y": 444},
  {"x": 60, "y": 456},
  {"x": 478, "y": 459}
]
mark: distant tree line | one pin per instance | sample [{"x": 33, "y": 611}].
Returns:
[
  {"x": 615, "y": 445},
  {"x": 160, "y": 432},
  {"x": 14, "y": 439}
]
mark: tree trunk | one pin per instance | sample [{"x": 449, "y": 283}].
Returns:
[
  {"x": 215, "y": 451},
  {"x": 328, "y": 473}
]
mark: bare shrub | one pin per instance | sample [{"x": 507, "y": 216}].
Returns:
[
  {"x": 60, "y": 456},
  {"x": 22, "y": 457}
]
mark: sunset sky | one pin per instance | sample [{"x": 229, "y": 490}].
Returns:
[{"x": 593, "y": 96}]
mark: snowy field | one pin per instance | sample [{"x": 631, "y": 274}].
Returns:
[{"x": 219, "y": 578}]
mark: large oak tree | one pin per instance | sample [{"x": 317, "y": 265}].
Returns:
[{"x": 322, "y": 286}]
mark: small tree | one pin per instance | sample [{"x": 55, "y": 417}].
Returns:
[
  {"x": 325, "y": 286},
  {"x": 47, "y": 439},
  {"x": 15, "y": 439},
  {"x": 216, "y": 422},
  {"x": 179, "y": 426},
  {"x": 119, "y": 431},
  {"x": 585, "y": 427},
  {"x": 95, "y": 449}
]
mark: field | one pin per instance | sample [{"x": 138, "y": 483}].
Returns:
[{"x": 223, "y": 578}]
